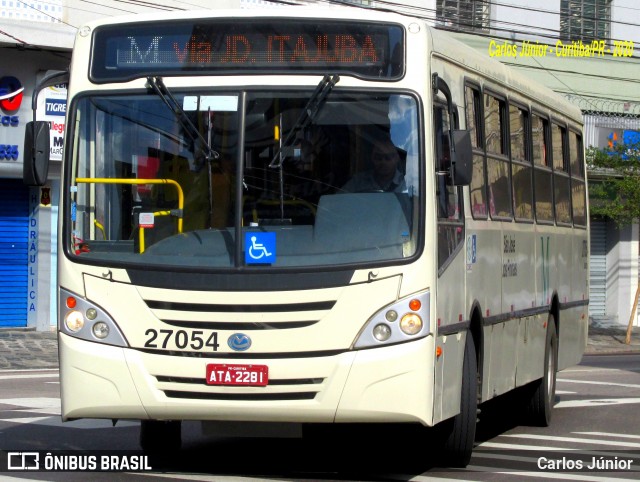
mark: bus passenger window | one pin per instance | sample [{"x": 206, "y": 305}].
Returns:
[
  {"x": 578, "y": 201},
  {"x": 497, "y": 163},
  {"x": 538, "y": 136},
  {"x": 542, "y": 177},
  {"x": 521, "y": 170},
  {"x": 477, "y": 188},
  {"x": 561, "y": 182}
]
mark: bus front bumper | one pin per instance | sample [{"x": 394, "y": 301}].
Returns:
[{"x": 386, "y": 384}]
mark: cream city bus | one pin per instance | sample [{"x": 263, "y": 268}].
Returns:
[{"x": 312, "y": 216}]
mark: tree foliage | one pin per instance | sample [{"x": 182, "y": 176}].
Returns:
[{"x": 614, "y": 182}]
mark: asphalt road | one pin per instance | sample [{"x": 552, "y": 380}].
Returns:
[{"x": 595, "y": 419}]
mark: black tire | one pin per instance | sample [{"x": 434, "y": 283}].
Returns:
[
  {"x": 461, "y": 430},
  {"x": 159, "y": 436},
  {"x": 542, "y": 392}
]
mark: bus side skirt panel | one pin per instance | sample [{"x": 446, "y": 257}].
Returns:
[
  {"x": 572, "y": 336},
  {"x": 448, "y": 376}
]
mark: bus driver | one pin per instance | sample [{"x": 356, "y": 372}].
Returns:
[{"x": 385, "y": 175}]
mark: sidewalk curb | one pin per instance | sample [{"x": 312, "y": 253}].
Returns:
[{"x": 25, "y": 348}]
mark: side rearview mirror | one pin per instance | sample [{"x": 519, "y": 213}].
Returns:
[
  {"x": 36, "y": 153},
  {"x": 463, "y": 158}
]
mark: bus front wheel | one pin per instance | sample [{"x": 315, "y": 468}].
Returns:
[
  {"x": 160, "y": 435},
  {"x": 461, "y": 430}
]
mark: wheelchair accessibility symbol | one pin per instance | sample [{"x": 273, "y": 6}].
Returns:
[{"x": 259, "y": 248}]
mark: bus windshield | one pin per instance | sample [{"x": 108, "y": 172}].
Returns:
[{"x": 205, "y": 178}]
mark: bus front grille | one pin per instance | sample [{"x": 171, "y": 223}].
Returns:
[
  {"x": 241, "y": 396},
  {"x": 201, "y": 381},
  {"x": 231, "y": 316},
  {"x": 191, "y": 388},
  {"x": 243, "y": 308}
]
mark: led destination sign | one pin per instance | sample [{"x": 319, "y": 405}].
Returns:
[{"x": 369, "y": 50}]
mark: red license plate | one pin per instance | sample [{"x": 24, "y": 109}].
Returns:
[{"x": 247, "y": 375}]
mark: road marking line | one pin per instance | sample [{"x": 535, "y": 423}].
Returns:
[
  {"x": 429, "y": 478},
  {"x": 573, "y": 439},
  {"x": 546, "y": 448},
  {"x": 548, "y": 475},
  {"x": 38, "y": 403},
  {"x": 20, "y": 377},
  {"x": 588, "y": 382},
  {"x": 515, "y": 458},
  {"x": 215, "y": 477},
  {"x": 21, "y": 370},
  {"x": 45, "y": 411},
  {"x": 596, "y": 402},
  {"x": 18, "y": 478},
  {"x": 605, "y": 434},
  {"x": 24, "y": 420},
  {"x": 591, "y": 370}
]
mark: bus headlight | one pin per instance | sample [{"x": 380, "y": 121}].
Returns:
[
  {"x": 74, "y": 321},
  {"x": 381, "y": 332},
  {"x": 404, "y": 320},
  {"x": 411, "y": 324},
  {"x": 82, "y": 319},
  {"x": 100, "y": 330}
]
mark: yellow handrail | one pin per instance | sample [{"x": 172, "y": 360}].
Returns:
[
  {"x": 141, "y": 229},
  {"x": 101, "y": 228},
  {"x": 109, "y": 180}
]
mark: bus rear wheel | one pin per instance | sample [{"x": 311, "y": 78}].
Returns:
[
  {"x": 461, "y": 430},
  {"x": 542, "y": 393},
  {"x": 159, "y": 436}
]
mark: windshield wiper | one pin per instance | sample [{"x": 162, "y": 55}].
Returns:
[
  {"x": 192, "y": 131},
  {"x": 307, "y": 115}
]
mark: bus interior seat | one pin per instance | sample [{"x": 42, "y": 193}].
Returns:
[{"x": 362, "y": 221}]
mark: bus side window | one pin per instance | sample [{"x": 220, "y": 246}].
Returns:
[
  {"x": 450, "y": 228},
  {"x": 521, "y": 169},
  {"x": 578, "y": 189},
  {"x": 497, "y": 163},
  {"x": 542, "y": 175},
  {"x": 478, "y": 186}
]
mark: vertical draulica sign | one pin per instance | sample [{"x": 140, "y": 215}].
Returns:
[{"x": 32, "y": 262}]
